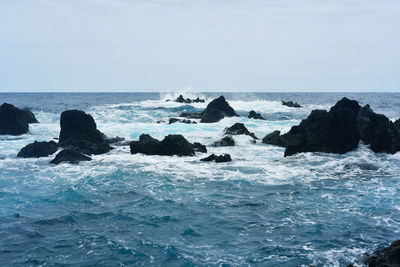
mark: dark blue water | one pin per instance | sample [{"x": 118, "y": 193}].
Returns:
[{"x": 259, "y": 210}]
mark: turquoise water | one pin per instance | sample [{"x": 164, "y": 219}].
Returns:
[{"x": 260, "y": 209}]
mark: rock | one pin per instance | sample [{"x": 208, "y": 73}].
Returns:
[
  {"x": 386, "y": 257},
  {"x": 397, "y": 124},
  {"x": 199, "y": 147},
  {"x": 239, "y": 129},
  {"x": 291, "y": 104},
  {"x": 275, "y": 138},
  {"x": 225, "y": 141},
  {"x": 71, "y": 156},
  {"x": 331, "y": 132},
  {"x": 255, "y": 115},
  {"x": 115, "y": 140},
  {"x": 171, "y": 145},
  {"x": 173, "y": 120},
  {"x": 218, "y": 159},
  {"x": 38, "y": 149},
  {"x": 79, "y": 132},
  {"x": 189, "y": 115},
  {"x": 378, "y": 131},
  {"x": 217, "y": 110},
  {"x": 181, "y": 99},
  {"x": 15, "y": 121}
]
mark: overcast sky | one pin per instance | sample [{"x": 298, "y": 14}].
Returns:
[{"x": 205, "y": 45}]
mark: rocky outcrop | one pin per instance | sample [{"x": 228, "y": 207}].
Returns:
[
  {"x": 70, "y": 156},
  {"x": 38, "y": 149},
  {"x": 239, "y": 129},
  {"x": 79, "y": 132},
  {"x": 339, "y": 131},
  {"x": 15, "y": 121},
  {"x": 216, "y": 110},
  {"x": 225, "y": 141},
  {"x": 173, "y": 120},
  {"x": 378, "y": 131},
  {"x": 332, "y": 132},
  {"x": 218, "y": 159},
  {"x": 181, "y": 99},
  {"x": 386, "y": 257},
  {"x": 174, "y": 144},
  {"x": 291, "y": 104},
  {"x": 197, "y": 147},
  {"x": 255, "y": 115}
]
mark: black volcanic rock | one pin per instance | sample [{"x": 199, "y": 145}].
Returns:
[
  {"x": 291, "y": 104},
  {"x": 199, "y": 147},
  {"x": 181, "y": 99},
  {"x": 225, "y": 141},
  {"x": 335, "y": 131},
  {"x": 386, "y": 257},
  {"x": 79, "y": 132},
  {"x": 218, "y": 159},
  {"x": 38, "y": 149},
  {"x": 378, "y": 131},
  {"x": 239, "y": 129},
  {"x": 71, "y": 156},
  {"x": 173, "y": 120},
  {"x": 216, "y": 110},
  {"x": 14, "y": 121},
  {"x": 275, "y": 138},
  {"x": 255, "y": 115},
  {"x": 174, "y": 144}
]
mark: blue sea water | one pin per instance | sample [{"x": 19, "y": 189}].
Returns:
[{"x": 261, "y": 209}]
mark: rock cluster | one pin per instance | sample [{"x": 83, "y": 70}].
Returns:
[
  {"x": 291, "y": 104},
  {"x": 217, "y": 159},
  {"x": 15, "y": 121},
  {"x": 225, "y": 141},
  {"x": 181, "y": 99},
  {"x": 339, "y": 131}
]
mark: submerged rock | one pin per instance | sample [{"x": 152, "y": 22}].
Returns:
[
  {"x": 38, "y": 149},
  {"x": 15, "y": 121},
  {"x": 225, "y": 141},
  {"x": 174, "y": 144},
  {"x": 71, "y": 156},
  {"x": 239, "y": 129},
  {"x": 386, "y": 257},
  {"x": 173, "y": 120},
  {"x": 378, "y": 131},
  {"x": 291, "y": 104},
  {"x": 199, "y": 147},
  {"x": 218, "y": 159},
  {"x": 255, "y": 115},
  {"x": 79, "y": 132},
  {"x": 190, "y": 115},
  {"x": 216, "y": 110}
]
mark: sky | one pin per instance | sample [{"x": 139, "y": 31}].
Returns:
[{"x": 207, "y": 45}]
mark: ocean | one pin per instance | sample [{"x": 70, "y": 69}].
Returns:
[{"x": 261, "y": 209}]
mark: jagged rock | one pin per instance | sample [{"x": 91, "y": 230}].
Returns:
[
  {"x": 173, "y": 120},
  {"x": 225, "y": 141},
  {"x": 79, "y": 132},
  {"x": 216, "y": 110},
  {"x": 378, "y": 131},
  {"x": 335, "y": 131},
  {"x": 174, "y": 144},
  {"x": 38, "y": 149},
  {"x": 397, "y": 124},
  {"x": 15, "y": 121},
  {"x": 218, "y": 159},
  {"x": 291, "y": 104},
  {"x": 386, "y": 257},
  {"x": 199, "y": 147},
  {"x": 189, "y": 115},
  {"x": 181, "y": 99},
  {"x": 255, "y": 115},
  {"x": 239, "y": 129},
  {"x": 71, "y": 156}
]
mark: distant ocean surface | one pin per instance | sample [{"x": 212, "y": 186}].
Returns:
[{"x": 261, "y": 209}]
